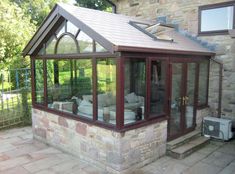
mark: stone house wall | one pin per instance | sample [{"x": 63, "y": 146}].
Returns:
[
  {"x": 113, "y": 151},
  {"x": 184, "y": 13}
]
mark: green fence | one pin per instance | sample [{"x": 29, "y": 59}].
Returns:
[{"x": 15, "y": 98}]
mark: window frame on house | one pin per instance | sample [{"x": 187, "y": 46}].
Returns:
[{"x": 211, "y": 7}]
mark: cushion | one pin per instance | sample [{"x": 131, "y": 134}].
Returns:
[
  {"x": 88, "y": 98},
  {"x": 111, "y": 99},
  {"x": 78, "y": 100},
  {"x": 131, "y": 98},
  {"x": 102, "y": 100},
  {"x": 85, "y": 103},
  {"x": 85, "y": 109},
  {"x": 128, "y": 115}
]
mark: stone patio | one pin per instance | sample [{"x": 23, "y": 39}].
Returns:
[{"x": 20, "y": 154}]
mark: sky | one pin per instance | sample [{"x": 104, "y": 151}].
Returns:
[{"x": 72, "y": 2}]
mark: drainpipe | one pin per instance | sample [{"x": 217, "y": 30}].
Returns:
[
  {"x": 220, "y": 86},
  {"x": 114, "y": 7}
]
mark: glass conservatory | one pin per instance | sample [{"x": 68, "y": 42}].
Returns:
[
  {"x": 98, "y": 75},
  {"x": 78, "y": 77}
]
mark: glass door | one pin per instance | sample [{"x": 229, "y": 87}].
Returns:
[
  {"x": 189, "y": 98},
  {"x": 175, "y": 120},
  {"x": 158, "y": 74},
  {"x": 182, "y": 99}
]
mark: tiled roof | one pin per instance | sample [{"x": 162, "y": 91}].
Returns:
[{"x": 116, "y": 29}]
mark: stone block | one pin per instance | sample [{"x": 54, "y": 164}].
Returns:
[
  {"x": 115, "y": 158},
  {"x": 81, "y": 128},
  {"x": 41, "y": 132},
  {"x": 62, "y": 121}
]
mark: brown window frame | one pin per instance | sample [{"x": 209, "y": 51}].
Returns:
[
  {"x": 120, "y": 59},
  {"x": 203, "y": 105},
  {"x": 119, "y": 126},
  {"x": 214, "y": 6}
]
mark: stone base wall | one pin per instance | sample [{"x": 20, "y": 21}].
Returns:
[
  {"x": 200, "y": 115},
  {"x": 115, "y": 152}
]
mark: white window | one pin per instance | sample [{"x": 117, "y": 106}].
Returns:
[{"x": 217, "y": 18}]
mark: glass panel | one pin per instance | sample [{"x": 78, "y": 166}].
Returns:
[
  {"x": 106, "y": 89},
  {"x": 175, "y": 118},
  {"x": 60, "y": 30},
  {"x": 71, "y": 28},
  {"x": 158, "y": 87},
  {"x": 69, "y": 84},
  {"x": 82, "y": 87},
  {"x": 203, "y": 80},
  {"x": 99, "y": 48},
  {"x": 67, "y": 45},
  {"x": 223, "y": 16},
  {"x": 42, "y": 51},
  {"x": 59, "y": 85},
  {"x": 50, "y": 45},
  {"x": 161, "y": 32},
  {"x": 189, "y": 98},
  {"x": 39, "y": 82},
  {"x": 135, "y": 86},
  {"x": 85, "y": 43}
]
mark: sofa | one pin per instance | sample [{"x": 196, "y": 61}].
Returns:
[{"x": 106, "y": 102}]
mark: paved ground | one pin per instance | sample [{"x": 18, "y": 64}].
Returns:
[{"x": 20, "y": 154}]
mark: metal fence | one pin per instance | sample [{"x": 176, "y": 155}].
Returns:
[{"x": 15, "y": 97}]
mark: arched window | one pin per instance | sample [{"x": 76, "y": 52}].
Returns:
[
  {"x": 66, "y": 44},
  {"x": 69, "y": 39}
]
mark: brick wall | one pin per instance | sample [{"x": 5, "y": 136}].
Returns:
[{"x": 185, "y": 14}]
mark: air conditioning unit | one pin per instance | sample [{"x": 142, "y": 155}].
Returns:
[{"x": 217, "y": 128}]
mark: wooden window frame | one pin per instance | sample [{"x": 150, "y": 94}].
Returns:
[
  {"x": 119, "y": 126},
  {"x": 214, "y": 6},
  {"x": 204, "y": 105},
  {"x": 120, "y": 59}
]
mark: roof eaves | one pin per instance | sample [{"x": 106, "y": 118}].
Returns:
[
  {"x": 40, "y": 30},
  {"x": 155, "y": 50}
]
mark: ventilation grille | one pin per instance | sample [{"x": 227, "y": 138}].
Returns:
[{"x": 211, "y": 128}]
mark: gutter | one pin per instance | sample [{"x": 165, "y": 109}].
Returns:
[
  {"x": 114, "y": 7},
  {"x": 220, "y": 85}
]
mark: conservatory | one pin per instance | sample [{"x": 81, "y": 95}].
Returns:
[{"x": 107, "y": 86}]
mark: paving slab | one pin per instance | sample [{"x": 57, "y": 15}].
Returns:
[
  {"x": 68, "y": 166},
  {"x": 21, "y": 154},
  {"x": 202, "y": 168},
  {"x": 208, "y": 149},
  {"x": 45, "y": 163},
  {"x": 15, "y": 170},
  {"x": 230, "y": 169},
  {"x": 228, "y": 149},
  {"x": 219, "y": 159},
  {"x": 192, "y": 159},
  {"x": 172, "y": 167},
  {"x": 14, "y": 162}
]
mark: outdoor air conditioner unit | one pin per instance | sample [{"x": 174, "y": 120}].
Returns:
[{"x": 217, "y": 128}]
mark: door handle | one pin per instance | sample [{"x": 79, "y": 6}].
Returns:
[
  {"x": 186, "y": 100},
  {"x": 183, "y": 100}
]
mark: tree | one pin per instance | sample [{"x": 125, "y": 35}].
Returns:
[
  {"x": 96, "y": 4},
  {"x": 37, "y": 9},
  {"x": 15, "y": 30}
]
